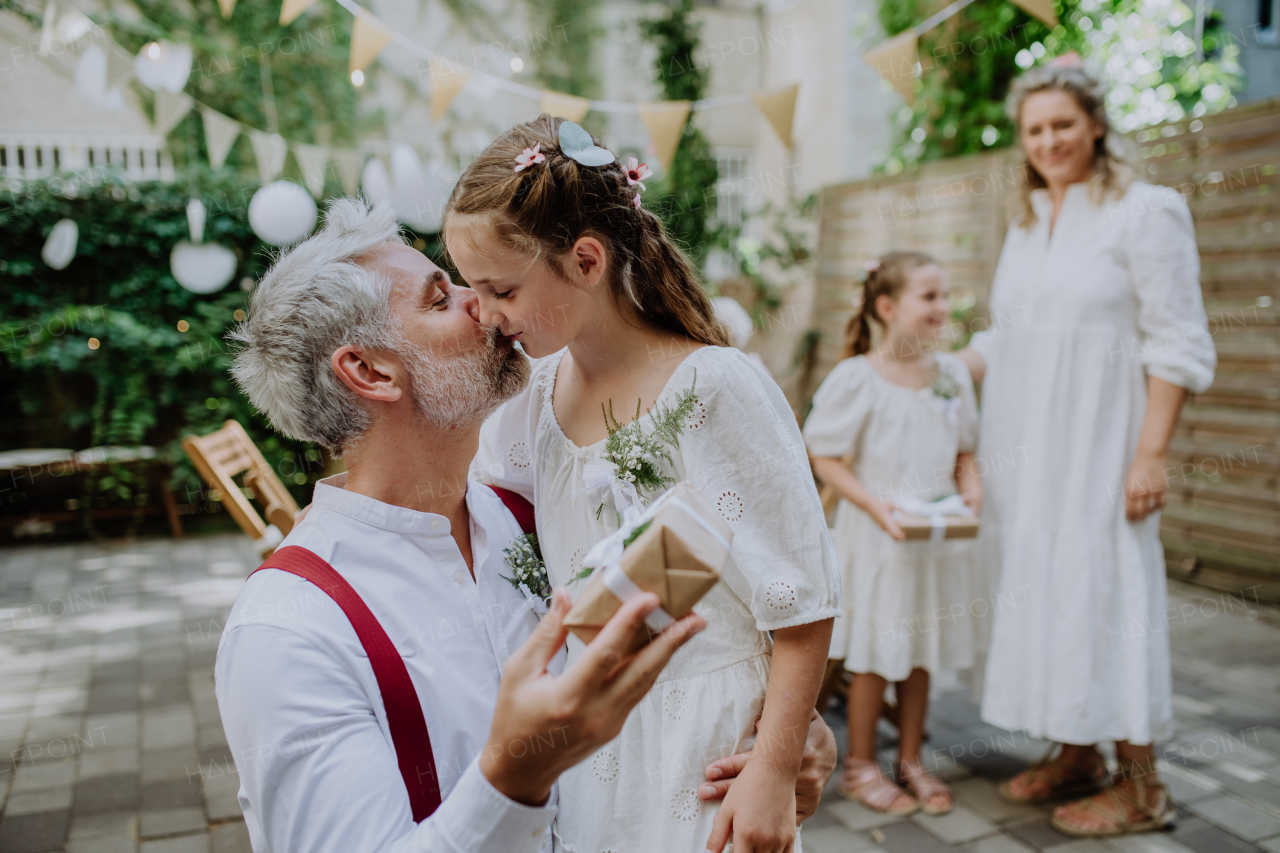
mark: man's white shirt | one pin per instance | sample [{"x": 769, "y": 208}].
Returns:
[{"x": 302, "y": 710}]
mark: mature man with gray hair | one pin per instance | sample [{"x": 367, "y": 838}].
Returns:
[{"x": 381, "y": 686}]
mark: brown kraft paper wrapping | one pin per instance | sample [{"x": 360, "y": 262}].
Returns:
[{"x": 675, "y": 558}]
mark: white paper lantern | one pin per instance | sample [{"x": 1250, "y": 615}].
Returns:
[
  {"x": 282, "y": 213},
  {"x": 60, "y": 247},
  {"x": 163, "y": 65},
  {"x": 91, "y": 80},
  {"x": 204, "y": 268}
]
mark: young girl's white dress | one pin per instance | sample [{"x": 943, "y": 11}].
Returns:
[
  {"x": 907, "y": 604},
  {"x": 742, "y": 449}
]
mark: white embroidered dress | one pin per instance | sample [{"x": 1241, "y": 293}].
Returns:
[
  {"x": 907, "y": 604},
  {"x": 1080, "y": 318},
  {"x": 742, "y": 449}
]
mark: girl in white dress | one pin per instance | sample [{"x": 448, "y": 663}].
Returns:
[
  {"x": 905, "y": 418},
  {"x": 565, "y": 260}
]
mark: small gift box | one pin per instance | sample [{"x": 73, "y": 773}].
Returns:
[
  {"x": 675, "y": 549},
  {"x": 943, "y": 518}
]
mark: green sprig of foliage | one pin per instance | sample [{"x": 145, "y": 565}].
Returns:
[{"x": 636, "y": 455}]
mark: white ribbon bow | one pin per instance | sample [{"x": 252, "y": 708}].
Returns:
[
  {"x": 599, "y": 478},
  {"x": 935, "y": 511},
  {"x": 606, "y": 555}
]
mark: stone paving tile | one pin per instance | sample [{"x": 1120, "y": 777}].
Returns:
[
  {"x": 34, "y": 833},
  {"x": 1271, "y": 845},
  {"x": 996, "y": 844},
  {"x": 86, "y": 826},
  {"x": 906, "y": 837},
  {"x": 836, "y": 839},
  {"x": 118, "y": 792},
  {"x": 232, "y": 837},
  {"x": 182, "y": 844},
  {"x": 958, "y": 826},
  {"x": 1204, "y": 837},
  {"x": 35, "y": 802},
  {"x": 1237, "y": 817},
  {"x": 103, "y": 845},
  {"x": 161, "y": 822},
  {"x": 1147, "y": 842},
  {"x": 46, "y": 774}
]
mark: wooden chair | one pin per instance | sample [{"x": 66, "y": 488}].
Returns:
[{"x": 219, "y": 457}]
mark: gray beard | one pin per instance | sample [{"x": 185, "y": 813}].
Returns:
[{"x": 463, "y": 390}]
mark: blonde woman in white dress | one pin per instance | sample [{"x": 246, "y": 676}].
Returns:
[
  {"x": 908, "y": 417},
  {"x": 564, "y": 259},
  {"x": 1098, "y": 334}
]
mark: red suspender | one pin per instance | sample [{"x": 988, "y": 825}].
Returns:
[
  {"x": 519, "y": 507},
  {"x": 404, "y": 713}
]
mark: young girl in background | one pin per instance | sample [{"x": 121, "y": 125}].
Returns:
[
  {"x": 907, "y": 417},
  {"x": 550, "y": 231}
]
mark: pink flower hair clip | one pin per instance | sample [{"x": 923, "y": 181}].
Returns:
[
  {"x": 530, "y": 157},
  {"x": 636, "y": 174},
  {"x": 636, "y": 201}
]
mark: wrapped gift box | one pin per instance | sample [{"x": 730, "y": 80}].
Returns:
[
  {"x": 676, "y": 549},
  {"x": 921, "y": 527}
]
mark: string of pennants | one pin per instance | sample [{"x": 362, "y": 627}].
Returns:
[
  {"x": 897, "y": 60},
  {"x": 664, "y": 120}
]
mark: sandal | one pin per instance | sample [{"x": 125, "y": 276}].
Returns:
[
  {"x": 926, "y": 787},
  {"x": 1063, "y": 779},
  {"x": 1114, "y": 805},
  {"x": 863, "y": 782}
]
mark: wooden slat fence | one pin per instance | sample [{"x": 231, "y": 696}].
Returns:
[{"x": 1222, "y": 525}]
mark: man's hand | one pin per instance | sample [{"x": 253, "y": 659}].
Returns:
[
  {"x": 816, "y": 767},
  {"x": 545, "y": 724}
]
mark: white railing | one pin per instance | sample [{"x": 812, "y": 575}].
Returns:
[{"x": 34, "y": 156}]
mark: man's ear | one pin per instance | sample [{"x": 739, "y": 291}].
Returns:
[
  {"x": 588, "y": 258},
  {"x": 369, "y": 373}
]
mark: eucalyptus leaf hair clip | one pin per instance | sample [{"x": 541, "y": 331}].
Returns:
[{"x": 576, "y": 143}]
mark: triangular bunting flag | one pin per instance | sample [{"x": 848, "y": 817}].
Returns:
[
  {"x": 778, "y": 106},
  {"x": 171, "y": 108},
  {"x": 220, "y": 134},
  {"x": 348, "y": 162},
  {"x": 269, "y": 149},
  {"x": 312, "y": 160},
  {"x": 1042, "y": 9},
  {"x": 447, "y": 81},
  {"x": 227, "y": 7},
  {"x": 665, "y": 123},
  {"x": 564, "y": 106},
  {"x": 368, "y": 37},
  {"x": 291, "y": 9},
  {"x": 119, "y": 65},
  {"x": 895, "y": 60}
]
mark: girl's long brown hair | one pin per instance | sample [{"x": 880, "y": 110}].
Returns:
[
  {"x": 889, "y": 277},
  {"x": 545, "y": 208}
]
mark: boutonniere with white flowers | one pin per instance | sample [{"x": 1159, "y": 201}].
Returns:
[{"x": 529, "y": 571}]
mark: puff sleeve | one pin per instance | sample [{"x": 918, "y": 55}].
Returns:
[
  {"x": 841, "y": 407},
  {"x": 742, "y": 449},
  {"x": 1164, "y": 267}
]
